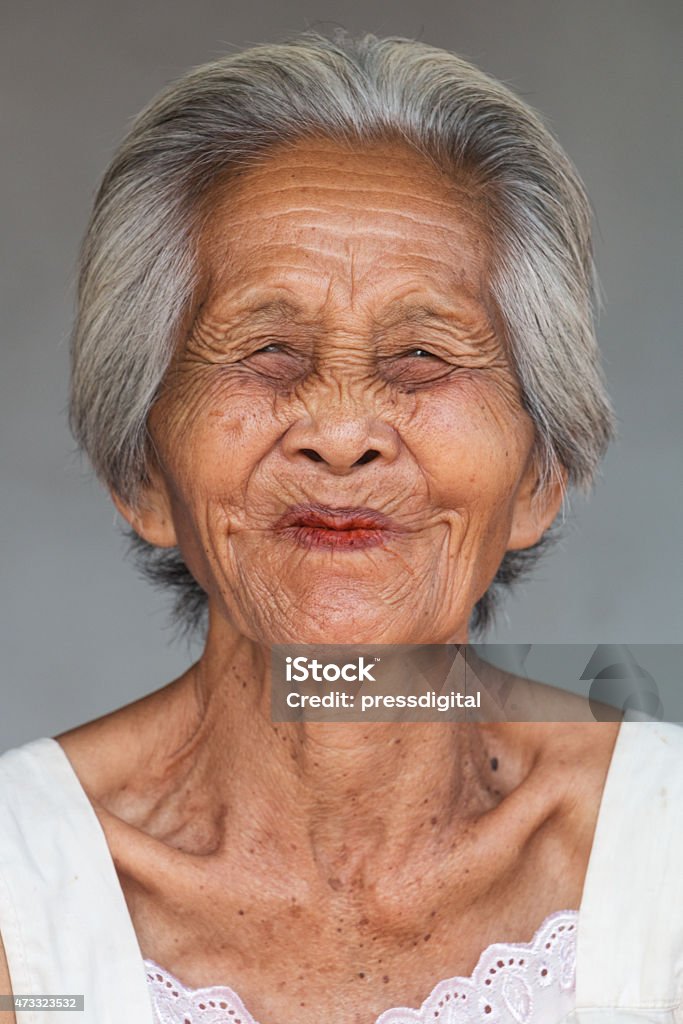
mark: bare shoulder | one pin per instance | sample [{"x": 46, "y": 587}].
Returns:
[
  {"x": 109, "y": 753},
  {"x": 513, "y": 698},
  {"x": 6, "y": 1016},
  {"x": 543, "y": 702}
]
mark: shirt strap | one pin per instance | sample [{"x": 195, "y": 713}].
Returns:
[
  {"x": 63, "y": 916},
  {"x": 630, "y": 932}
]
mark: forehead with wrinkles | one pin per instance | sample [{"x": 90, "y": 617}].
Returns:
[{"x": 320, "y": 228}]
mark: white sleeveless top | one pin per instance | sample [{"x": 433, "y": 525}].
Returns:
[{"x": 66, "y": 926}]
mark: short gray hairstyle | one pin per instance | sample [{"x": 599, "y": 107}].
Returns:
[{"x": 138, "y": 265}]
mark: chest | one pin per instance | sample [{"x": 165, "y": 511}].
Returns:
[{"x": 342, "y": 955}]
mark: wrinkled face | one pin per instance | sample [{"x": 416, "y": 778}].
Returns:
[{"x": 342, "y": 453}]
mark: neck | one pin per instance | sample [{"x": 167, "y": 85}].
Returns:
[{"x": 341, "y": 795}]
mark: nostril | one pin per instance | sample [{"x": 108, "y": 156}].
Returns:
[
  {"x": 312, "y": 454},
  {"x": 367, "y": 456}
]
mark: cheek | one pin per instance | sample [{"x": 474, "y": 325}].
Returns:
[
  {"x": 472, "y": 447},
  {"x": 212, "y": 440}
]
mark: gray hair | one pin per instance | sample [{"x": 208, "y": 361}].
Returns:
[{"x": 138, "y": 265}]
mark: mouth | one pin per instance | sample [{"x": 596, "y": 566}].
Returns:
[{"x": 339, "y": 529}]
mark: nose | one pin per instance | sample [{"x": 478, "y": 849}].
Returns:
[{"x": 341, "y": 442}]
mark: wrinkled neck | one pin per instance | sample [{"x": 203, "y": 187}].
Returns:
[{"x": 343, "y": 790}]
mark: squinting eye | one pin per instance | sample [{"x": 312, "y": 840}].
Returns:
[
  {"x": 421, "y": 353},
  {"x": 416, "y": 367},
  {"x": 276, "y": 363}
]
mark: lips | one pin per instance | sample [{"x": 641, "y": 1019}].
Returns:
[{"x": 335, "y": 528}]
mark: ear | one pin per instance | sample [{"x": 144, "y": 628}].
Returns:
[
  {"x": 151, "y": 516},
  {"x": 535, "y": 507}
]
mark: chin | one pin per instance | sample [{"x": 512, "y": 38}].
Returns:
[{"x": 365, "y": 625}]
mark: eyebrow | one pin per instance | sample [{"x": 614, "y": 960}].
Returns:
[
  {"x": 275, "y": 309},
  {"x": 402, "y": 312}
]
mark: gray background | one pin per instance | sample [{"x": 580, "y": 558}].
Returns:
[{"x": 80, "y": 633}]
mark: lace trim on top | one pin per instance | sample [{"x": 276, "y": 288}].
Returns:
[{"x": 513, "y": 983}]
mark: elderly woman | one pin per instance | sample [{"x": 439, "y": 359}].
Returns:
[{"x": 334, "y": 359}]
